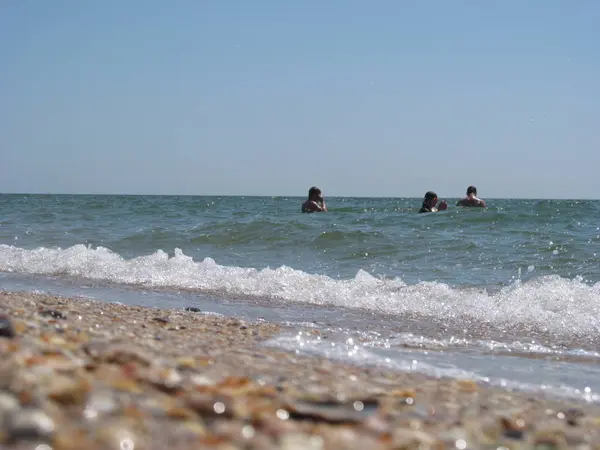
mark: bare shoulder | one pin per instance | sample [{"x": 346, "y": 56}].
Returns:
[
  {"x": 475, "y": 202},
  {"x": 310, "y": 206}
]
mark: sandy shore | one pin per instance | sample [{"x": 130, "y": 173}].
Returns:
[{"x": 78, "y": 374}]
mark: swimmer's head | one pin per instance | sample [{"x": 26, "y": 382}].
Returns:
[
  {"x": 430, "y": 199},
  {"x": 472, "y": 190},
  {"x": 314, "y": 193}
]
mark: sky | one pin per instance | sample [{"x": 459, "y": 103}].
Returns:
[{"x": 268, "y": 97}]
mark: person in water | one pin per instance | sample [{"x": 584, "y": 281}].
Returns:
[
  {"x": 315, "y": 202},
  {"x": 430, "y": 203},
  {"x": 471, "y": 199}
]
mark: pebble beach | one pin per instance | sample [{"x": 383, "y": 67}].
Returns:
[{"x": 82, "y": 374}]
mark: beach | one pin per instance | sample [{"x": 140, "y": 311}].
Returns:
[
  {"x": 299, "y": 226},
  {"x": 77, "y": 373}
]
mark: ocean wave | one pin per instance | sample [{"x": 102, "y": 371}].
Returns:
[{"x": 549, "y": 303}]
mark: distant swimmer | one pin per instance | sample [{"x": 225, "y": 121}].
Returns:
[
  {"x": 430, "y": 203},
  {"x": 471, "y": 199},
  {"x": 315, "y": 202}
]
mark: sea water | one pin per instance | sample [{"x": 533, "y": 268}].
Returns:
[{"x": 509, "y": 295}]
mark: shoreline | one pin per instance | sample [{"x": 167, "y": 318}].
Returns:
[{"x": 80, "y": 373}]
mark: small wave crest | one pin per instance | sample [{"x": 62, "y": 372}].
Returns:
[{"x": 551, "y": 303}]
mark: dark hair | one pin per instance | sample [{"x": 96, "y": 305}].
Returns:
[
  {"x": 472, "y": 190},
  {"x": 429, "y": 195},
  {"x": 312, "y": 191}
]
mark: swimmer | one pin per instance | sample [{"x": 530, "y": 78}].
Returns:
[
  {"x": 471, "y": 199},
  {"x": 315, "y": 202},
  {"x": 430, "y": 201}
]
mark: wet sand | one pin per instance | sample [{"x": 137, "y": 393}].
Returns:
[{"x": 80, "y": 374}]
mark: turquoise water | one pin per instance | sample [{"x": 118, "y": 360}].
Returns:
[{"x": 521, "y": 278}]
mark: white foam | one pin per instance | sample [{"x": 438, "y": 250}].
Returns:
[
  {"x": 410, "y": 340},
  {"x": 349, "y": 351},
  {"x": 569, "y": 307}
]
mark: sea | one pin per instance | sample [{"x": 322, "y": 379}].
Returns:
[{"x": 508, "y": 296}]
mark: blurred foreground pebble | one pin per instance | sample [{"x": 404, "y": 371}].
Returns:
[{"x": 76, "y": 374}]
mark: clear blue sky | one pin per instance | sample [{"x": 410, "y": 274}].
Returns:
[{"x": 268, "y": 97}]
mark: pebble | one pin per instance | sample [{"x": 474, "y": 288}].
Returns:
[
  {"x": 332, "y": 412},
  {"x": 160, "y": 320},
  {"x": 164, "y": 378},
  {"x": 208, "y": 405},
  {"x": 572, "y": 416},
  {"x": 8, "y": 403},
  {"x": 186, "y": 362},
  {"x": 53, "y": 313},
  {"x": 118, "y": 436},
  {"x": 191, "y": 429},
  {"x": 552, "y": 434},
  {"x": 7, "y": 329},
  {"x": 407, "y": 438},
  {"x": 299, "y": 441},
  {"x": 29, "y": 424},
  {"x": 117, "y": 353},
  {"x": 211, "y": 386},
  {"x": 100, "y": 404},
  {"x": 512, "y": 429},
  {"x": 68, "y": 390}
]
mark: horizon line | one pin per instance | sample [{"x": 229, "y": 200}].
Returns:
[{"x": 282, "y": 195}]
